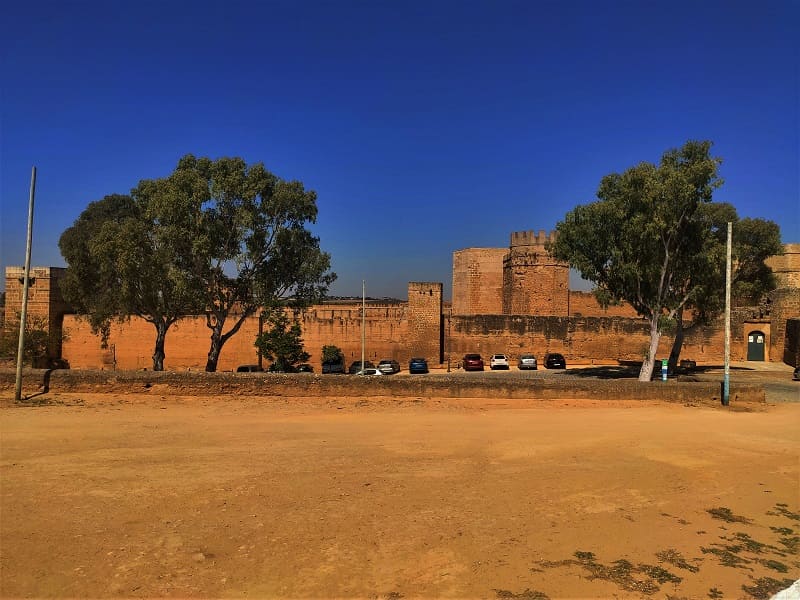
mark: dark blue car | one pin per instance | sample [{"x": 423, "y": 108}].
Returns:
[{"x": 418, "y": 365}]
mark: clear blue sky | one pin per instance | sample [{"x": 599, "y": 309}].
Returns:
[{"x": 424, "y": 127}]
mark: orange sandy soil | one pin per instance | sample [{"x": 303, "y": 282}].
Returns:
[{"x": 161, "y": 496}]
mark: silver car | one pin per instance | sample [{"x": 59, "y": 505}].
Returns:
[{"x": 527, "y": 361}]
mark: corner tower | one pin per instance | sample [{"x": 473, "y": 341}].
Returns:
[{"x": 534, "y": 283}]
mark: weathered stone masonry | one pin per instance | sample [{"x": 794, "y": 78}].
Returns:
[{"x": 511, "y": 300}]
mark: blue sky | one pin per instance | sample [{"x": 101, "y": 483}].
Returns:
[{"x": 424, "y": 127}]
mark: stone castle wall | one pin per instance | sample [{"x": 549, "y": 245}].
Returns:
[
  {"x": 478, "y": 281},
  {"x": 486, "y": 283},
  {"x": 46, "y": 305},
  {"x": 534, "y": 283},
  {"x": 787, "y": 266}
]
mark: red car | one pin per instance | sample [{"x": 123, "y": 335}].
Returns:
[{"x": 472, "y": 362}]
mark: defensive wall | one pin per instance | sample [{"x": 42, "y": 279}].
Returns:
[{"x": 487, "y": 282}]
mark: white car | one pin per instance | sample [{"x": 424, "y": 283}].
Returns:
[
  {"x": 369, "y": 372},
  {"x": 498, "y": 361}
]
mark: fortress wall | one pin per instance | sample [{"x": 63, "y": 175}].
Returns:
[
  {"x": 787, "y": 266},
  {"x": 785, "y": 305},
  {"x": 534, "y": 283},
  {"x": 584, "y": 339},
  {"x": 45, "y": 302},
  {"x": 478, "y": 281},
  {"x": 584, "y": 304}
]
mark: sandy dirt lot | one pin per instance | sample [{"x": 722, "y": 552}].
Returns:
[{"x": 161, "y": 496}]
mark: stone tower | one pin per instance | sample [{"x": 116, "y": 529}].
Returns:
[
  {"x": 478, "y": 281},
  {"x": 46, "y": 306},
  {"x": 534, "y": 283},
  {"x": 425, "y": 333}
]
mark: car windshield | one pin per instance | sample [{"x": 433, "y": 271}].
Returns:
[{"x": 472, "y": 356}]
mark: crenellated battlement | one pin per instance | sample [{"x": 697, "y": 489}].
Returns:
[{"x": 532, "y": 238}]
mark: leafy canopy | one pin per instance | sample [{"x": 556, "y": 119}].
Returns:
[{"x": 638, "y": 240}]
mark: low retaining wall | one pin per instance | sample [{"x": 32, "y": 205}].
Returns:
[{"x": 424, "y": 386}]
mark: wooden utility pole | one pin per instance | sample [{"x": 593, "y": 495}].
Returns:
[
  {"x": 363, "y": 320},
  {"x": 26, "y": 282}
]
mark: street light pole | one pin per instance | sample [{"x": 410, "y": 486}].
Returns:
[{"x": 726, "y": 384}]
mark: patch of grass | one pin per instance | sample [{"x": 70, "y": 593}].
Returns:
[
  {"x": 715, "y": 593},
  {"x": 792, "y": 543},
  {"x": 766, "y": 587},
  {"x": 782, "y": 530},
  {"x": 727, "y": 558},
  {"x": 783, "y": 510},
  {"x": 675, "y": 558},
  {"x": 725, "y": 514},
  {"x": 584, "y": 556},
  {"x": 528, "y": 594},
  {"x": 750, "y": 544},
  {"x": 660, "y": 574},
  {"x": 775, "y": 565}
]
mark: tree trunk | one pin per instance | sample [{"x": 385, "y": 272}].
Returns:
[
  {"x": 158, "y": 354},
  {"x": 677, "y": 343},
  {"x": 217, "y": 340},
  {"x": 646, "y": 372}
]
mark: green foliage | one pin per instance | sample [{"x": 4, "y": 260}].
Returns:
[
  {"x": 332, "y": 354},
  {"x": 246, "y": 239},
  {"x": 636, "y": 241},
  {"x": 215, "y": 237},
  {"x": 35, "y": 344},
  {"x": 126, "y": 257},
  {"x": 282, "y": 343}
]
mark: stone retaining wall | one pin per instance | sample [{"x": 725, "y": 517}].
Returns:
[{"x": 435, "y": 386}]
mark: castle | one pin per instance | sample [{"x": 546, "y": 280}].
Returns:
[{"x": 511, "y": 300}]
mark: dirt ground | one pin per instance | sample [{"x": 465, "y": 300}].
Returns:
[{"x": 145, "y": 496}]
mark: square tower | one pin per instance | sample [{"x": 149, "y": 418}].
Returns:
[{"x": 534, "y": 283}]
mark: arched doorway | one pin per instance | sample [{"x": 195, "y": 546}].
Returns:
[{"x": 756, "y": 340}]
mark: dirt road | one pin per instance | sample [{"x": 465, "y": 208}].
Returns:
[{"x": 150, "y": 496}]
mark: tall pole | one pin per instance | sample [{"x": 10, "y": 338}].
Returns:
[
  {"x": 26, "y": 282},
  {"x": 726, "y": 384},
  {"x": 363, "y": 321}
]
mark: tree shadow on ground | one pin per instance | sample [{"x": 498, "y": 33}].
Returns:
[{"x": 630, "y": 370}]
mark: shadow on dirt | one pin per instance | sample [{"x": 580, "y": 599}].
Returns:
[{"x": 630, "y": 370}]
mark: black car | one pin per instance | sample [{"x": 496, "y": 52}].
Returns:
[
  {"x": 554, "y": 360},
  {"x": 356, "y": 366},
  {"x": 418, "y": 365},
  {"x": 389, "y": 366},
  {"x": 305, "y": 368},
  {"x": 249, "y": 369},
  {"x": 332, "y": 366}
]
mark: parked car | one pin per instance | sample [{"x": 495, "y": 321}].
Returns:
[
  {"x": 330, "y": 367},
  {"x": 498, "y": 361},
  {"x": 389, "y": 366},
  {"x": 305, "y": 368},
  {"x": 369, "y": 372},
  {"x": 796, "y": 374},
  {"x": 554, "y": 360},
  {"x": 472, "y": 362},
  {"x": 417, "y": 365},
  {"x": 527, "y": 361},
  {"x": 357, "y": 366},
  {"x": 249, "y": 369},
  {"x": 275, "y": 368}
]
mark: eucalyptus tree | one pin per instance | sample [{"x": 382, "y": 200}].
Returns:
[
  {"x": 636, "y": 240},
  {"x": 124, "y": 259},
  {"x": 249, "y": 244},
  {"x": 703, "y": 279}
]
